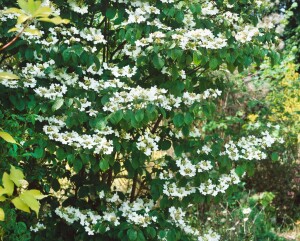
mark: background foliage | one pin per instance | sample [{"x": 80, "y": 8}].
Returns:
[{"x": 129, "y": 112}]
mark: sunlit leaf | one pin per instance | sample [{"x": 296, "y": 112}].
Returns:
[
  {"x": 2, "y": 191},
  {"x": 36, "y": 194},
  {"x": 22, "y": 18},
  {"x": 55, "y": 20},
  {"x": 2, "y": 198},
  {"x": 43, "y": 12},
  {"x": 30, "y": 201},
  {"x": 16, "y": 175},
  {"x": 13, "y": 30},
  {"x": 7, "y": 137},
  {"x": 7, "y": 184},
  {"x": 19, "y": 204},
  {"x": 24, "y": 5},
  {"x": 14, "y": 11},
  {"x": 2, "y": 215},
  {"x": 33, "y": 31},
  {"x": 33, "y": 6},
  {"x": 7, "y": 75}
]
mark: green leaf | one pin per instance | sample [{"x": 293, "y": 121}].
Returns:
[
  {"x": 188, "y": 118},
  {"x": 2, "y": 215},
  {"x": 16, "y": 175},
  {"x": 57, "y": 104},
  {"x": 240, "y": 170},
  {"x": 151, "y": 232},
  {"x": 132, "y": 234},
  {"x": 19, "y": 204},
  {"x": 140, "y": 236},
  {"x": 77, "y": 165},
  {"x": 213, "y": 63},
  {"x": 7, "y": 137},
  {"x": 38, "y": 153},
  {"x": 165, "y": 145},
  {"x": 179, "y": 16},
  {"x": 139, "y": 115},
  {"x": 116, "y": 117},
  {"x": 178, "y": 120},
  {"x": 274, "y": 156},
  {"x": 196, "y": 58},
  {"x": 110, "y": 13},
  {"x": 104, "y": 165},
  {"x": 7, "y": 184},
  {"x": 158, "y": 62},
  {"x": 61, "y": 154},
  {"x": 7, "y": 75}
]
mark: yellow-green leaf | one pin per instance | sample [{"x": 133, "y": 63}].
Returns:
[
  {"x": 13, "y": 10},
  {"x": 7, "y": 184},
  {"x": 55, "y": 20},
  {"x": 16, "y": 175},
  {"x": 7, "y": 137},
  {"x": 33, "y": 6},
  {"x": 36, "y": 194},
  {"x": 30, "y": 201},
  {"x": 13, "y": 30},
  {"x": 2, "y": 191},
  {"x": 43, "y": 12},
  {"x": 22, "y": 18},
  {"x": 2, "y": 198},
  {"x": 33, "y": 31},
  {"x": 7, "y": 75},
  {"x": 2, "y": 215},
  {"x": 24, "y": 6},
  {"x": 19, "y": 204}
]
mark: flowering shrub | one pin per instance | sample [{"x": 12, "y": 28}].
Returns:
[{"x": 115, "y": 104}]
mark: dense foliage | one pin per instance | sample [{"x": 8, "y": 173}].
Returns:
[{"x": 117, "y": 106}]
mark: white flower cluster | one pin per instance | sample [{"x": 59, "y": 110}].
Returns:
[
  {"x": 125, "y": 71},
  {"x": 187, "y": 169},
  {"x": 37, "y": 227},
  {"x": 208, "y": 188},
  {"x": 247, "y": 34},
  {"x": 205, "y": 149},
  {"x": 97, "y": 141},
  {"x": 192, "y": 39},
  {"x": 194, "y": 132},
  {"x": 148, "y": 143},
  {"x": 138, "y": 98},
  {"x": 171, "y": 189},
  {"x": 92, "y": 35},
  {"x": 76, "y": 8},
  {"x": 52, "y": 92},
  {"x": 209, "y": 9},
  {"x": 137, "y": 212},
  {"x": 250, "y": 147},
  {"x": 86, "y": 219},
  {"x": 272, "y": 21},
  {"x": 140, "y": 14},
  {"x": 178, "y": 218}
]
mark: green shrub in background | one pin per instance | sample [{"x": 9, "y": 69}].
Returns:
[{"x": 116, "y": 111}]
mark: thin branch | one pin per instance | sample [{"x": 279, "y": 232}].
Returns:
[
  {"x": 157, "y": 124},
  {"x": 117, "y": 49},
  {"x": 15, "y": 38},
  {"x": 135, "y": 179}
]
